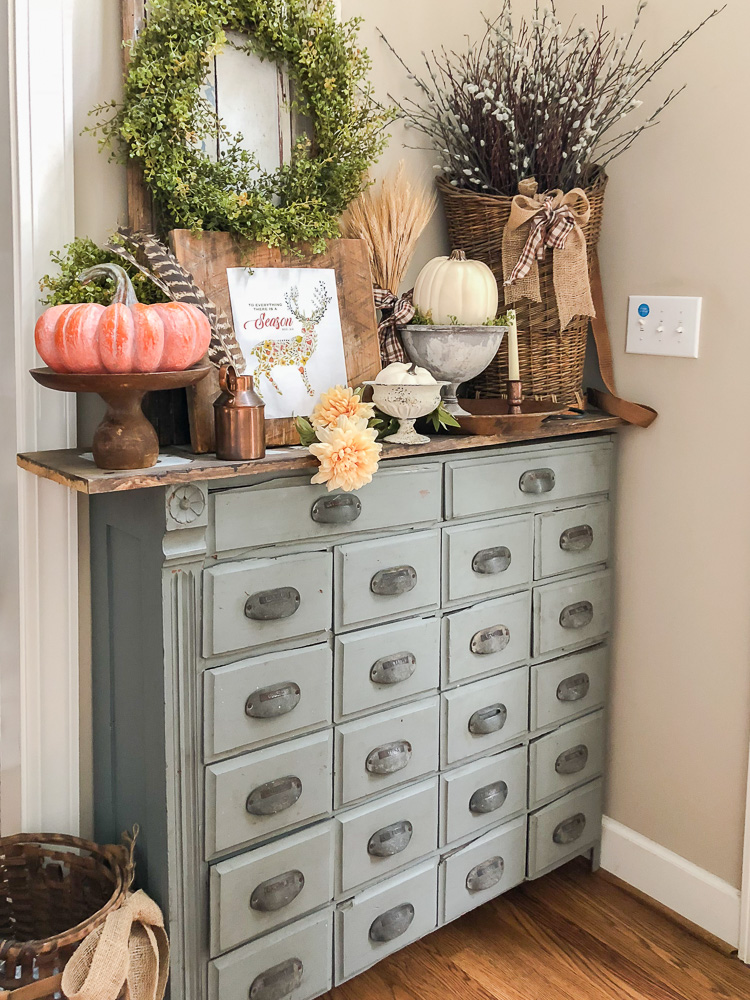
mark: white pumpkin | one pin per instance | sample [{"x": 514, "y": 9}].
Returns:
[
  {"x": 456, "y": 290},
  {"x": 400, "y": 373}
]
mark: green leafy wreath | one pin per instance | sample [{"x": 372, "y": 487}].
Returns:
[{"x": 164, "y": 119}]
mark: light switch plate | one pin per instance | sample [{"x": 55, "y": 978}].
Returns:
[{"x": 668, "y": 325}]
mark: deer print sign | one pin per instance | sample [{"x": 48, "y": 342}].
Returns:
[{"x": 288, "y": 325}]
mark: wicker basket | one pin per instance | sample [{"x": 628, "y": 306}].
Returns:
[
  {"x": 551, "y": 362},
  {"x": 54, "y": 890}
]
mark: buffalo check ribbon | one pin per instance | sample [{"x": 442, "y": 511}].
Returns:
[
  {"x": 551, "y": 220},
  {"x": 395, "y": 312}
]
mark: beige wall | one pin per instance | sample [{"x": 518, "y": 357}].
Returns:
[{"x": 681, "y": 672}]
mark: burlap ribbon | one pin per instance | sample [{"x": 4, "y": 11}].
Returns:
[
  {"x": 128, "y": 956},
  {"x": 539, "y": 221},
  {"x": 395, "y": 312}
]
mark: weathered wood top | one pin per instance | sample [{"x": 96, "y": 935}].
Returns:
[{"x": 70, "y": 469}]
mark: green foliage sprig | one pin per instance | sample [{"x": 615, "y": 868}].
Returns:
[
  {"x": 165, "y": 123},
  {"x": 425, "y": 319},
  {"x": 64, "y": 287}
]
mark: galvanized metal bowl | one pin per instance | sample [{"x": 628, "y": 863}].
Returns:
[{"x": 453, "y": 354}]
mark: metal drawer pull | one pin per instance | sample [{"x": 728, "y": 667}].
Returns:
[
  {"x": 570, "y": 829},
  {"x": 393, "y": 669},
  {"x": 491, "y": 561},
  {"x": 278, "y": 981},
  {"x": 274, "y": 796},
  {"x": 577, "y": 615},
  {"x": 537, "y": 481},
  {"x": 389, "y": 758},
  {"x": 488, "y": 798},
  {"x": 271, "y": 605},
  {"x": 394, "y": 581},
  {"x": 390, "y": 840},
  {"x": 392, "y": 924},
  {"x": 277, "y": 892},
  {"x": 341, "y": 508},
  {"x": 488, "y": 720},
  {"x": 573, "y": 688},
  {"x": 490, "y": 640},
  {"x": 271, "y": 702},
  {"x": 572, "y": 761},
  {"x": 485, "y": 875},
  {"x": 577, "y": 539}
]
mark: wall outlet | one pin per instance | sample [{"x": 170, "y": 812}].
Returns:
[{"x": 664, "y": 324}]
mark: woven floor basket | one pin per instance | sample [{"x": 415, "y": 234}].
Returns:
[
  {"x": 551, "y": 362},
  {"x": 54, "y": 890}
]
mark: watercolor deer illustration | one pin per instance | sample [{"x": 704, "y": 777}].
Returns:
[{"x": 293, "y": 351}]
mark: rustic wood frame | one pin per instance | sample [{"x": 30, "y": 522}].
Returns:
[{"x": 208, "y": 255}]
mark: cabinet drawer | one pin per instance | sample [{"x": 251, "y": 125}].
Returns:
[
  {"x": 383, "y": 836},
  {"x": 479, "y": 486},
  {"x": 258, "y": 601},
  {"x": 491, "y": 636},
  {"x": 479, "y": 717},
  {"x": 293, "y": 962},
  {"x": 571, "y": 538},
  {"x": 482, "y": 794},
  {"x": 385, "y": 664},
  {"x": 565, "y": 828},
  {"x": 572, "y": 755},
  {"x": 570, "y": 686},
  {"x": 484, "y": 869},
  {"x": 288, "y": 509},
  {"x": 486, "y": 558},
  {"x": 258, "y": 891},
  {"x": 387, "y": 578},
  {"x": 385, "y": 919},
  {"x": 387, "y": 749},
  {"x": 570, "y": 613},
  {"x": 253, "y": 796},
  {"x": 266, "y": 699}
]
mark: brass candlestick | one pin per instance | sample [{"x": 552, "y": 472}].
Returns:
[{"x": 515, "y": 396}]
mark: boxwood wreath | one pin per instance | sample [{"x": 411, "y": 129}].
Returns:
[{"x": 163, "y": 119}]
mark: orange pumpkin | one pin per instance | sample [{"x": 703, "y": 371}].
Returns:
[{"x": 125, "y": 336}]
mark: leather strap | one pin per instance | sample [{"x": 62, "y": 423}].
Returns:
[
  {"x": 41, "y": 988},
  {"x": 609, "y": 401}
]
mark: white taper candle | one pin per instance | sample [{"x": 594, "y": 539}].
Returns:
[{"x": 514, "y": 372}]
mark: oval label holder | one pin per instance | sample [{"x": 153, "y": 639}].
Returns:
[
  {"x": 577, "y": 539},
  {"x": 273, "y": 702},
  {"x": 389, "y": 758},
  {"x": 574, "y": 688},
  {"x": 485, "y": 875},
  {"x": 277, "y": 892},
  {"x": 393, "y": 669},
  {"x": 490, "y": 640},
  {"x": 392, "y": 924},
  {"x": 572, "y": 761},
  {"x": 569, "y": 830},
  {"x": 488, "y": 798},
  {"x": 488, "y": 562},
  {"x": 488, "y": 720},
  {"x": 272, "y": 605},
  {"x": 394, "y": 582},
  {"x": 274, "y": 796},
  {"x": 577, "y": 615},
  {"x": 341, "y": 508},
  {"x": 537, "y": 481},
  {"x": 391, "y": 840},
  {"x": 278, "y": 981}
]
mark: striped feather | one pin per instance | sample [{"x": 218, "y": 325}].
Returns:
[{"x": 178, "y": 284}]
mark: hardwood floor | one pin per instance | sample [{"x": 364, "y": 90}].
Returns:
[{"x": 569, "y": 936}]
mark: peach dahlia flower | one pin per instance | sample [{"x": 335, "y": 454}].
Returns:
[
  {"x": 340, "y": 401},
  {"x": 348, "y": 454}
]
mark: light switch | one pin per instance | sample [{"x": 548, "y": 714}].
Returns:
[{"x": 664, "y": 324}]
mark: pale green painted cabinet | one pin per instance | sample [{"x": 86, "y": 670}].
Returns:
[{"x": 341, "y": 721}]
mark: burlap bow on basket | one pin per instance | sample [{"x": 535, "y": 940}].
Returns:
[
  {"x": 127, "y": 957},
  {"x": 539, "y": 221}
]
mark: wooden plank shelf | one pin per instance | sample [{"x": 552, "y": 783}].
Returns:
[{"x": 69, "y": 467}]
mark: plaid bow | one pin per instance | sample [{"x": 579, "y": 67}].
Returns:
[
  {"x": 550, "y": 228},
  {"x": 395, "y": 312}
]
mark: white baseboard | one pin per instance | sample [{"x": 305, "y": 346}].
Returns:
[{"x": 695, "y": 894}]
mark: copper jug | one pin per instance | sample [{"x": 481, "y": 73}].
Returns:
[{"x": 239, "y": 418}]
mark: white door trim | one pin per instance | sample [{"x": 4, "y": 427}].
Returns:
[
  {"x": 744, "y": 946},
  {"x": 45, "y": 742}
]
